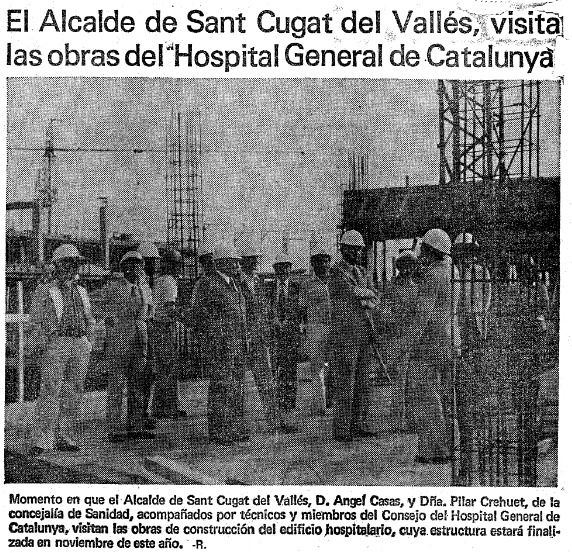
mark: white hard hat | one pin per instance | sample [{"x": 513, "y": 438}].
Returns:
[
  {"x": 282, "y": 258},
  {"x": 149, "y": 250},
  {"x": 66, "y": 251},
  {"x": 352, "y": 238},
  {"x": 131, "y": 255},
  {"x": 438, "y": 239},
  {"x": 246, "y": 248},
  {"x": 466, "y": 238},
  {"x": 315, "y": 252},
  {"x": 225, "y": 252}
]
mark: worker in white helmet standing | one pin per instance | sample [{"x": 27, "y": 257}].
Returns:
[
  {"x": 257, "y": 355},
  {"x": 221, "y": 309},
  {"x": 351, "y": 340},
  {"x": 165, "y": 335},
  {"x": 402, "y": 294},
  {"x": 61, "y": 331},
  {"x": 284, "y": 325},
  {"x": 315, "y": 307},
  {"x": 472, "y": 304},
  {"x": 205, "y": 258},
  {"x": 429, "y": 340},
  {"x": 128, "y": 303},
  {"x": 151, "y": 259}
]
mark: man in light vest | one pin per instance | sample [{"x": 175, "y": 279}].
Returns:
[{"x": 61, "y": 331}]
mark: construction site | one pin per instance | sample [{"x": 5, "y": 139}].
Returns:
[{"x": 485, "y": 162}]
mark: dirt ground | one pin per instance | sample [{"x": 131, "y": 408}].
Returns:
[
  {"x": 181, "y": 452},
  {"x": 308, "y": 456}
]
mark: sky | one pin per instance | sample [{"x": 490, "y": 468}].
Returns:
[{"x": 274, "y": 150}]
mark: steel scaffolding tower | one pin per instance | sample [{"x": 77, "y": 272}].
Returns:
[
  {"x": 45, "y": 189},
  {"x": 184, "y": 186},
  {"x": 489, "y": 145},
  {"x": 488, "y": 131}
]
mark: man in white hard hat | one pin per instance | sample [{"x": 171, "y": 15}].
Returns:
[
  {"x": 429, "y": 340},
  {"x": 205, "y": 257},
  {"x": 128, "y": 301},
  {"x": 258, "y": 355},
  {"x": 315, "y": 307},
  {"x": 284, "y": 323},
  {"x": 220, "y": 306},
  {"x": 165, "y": 295},
  {"x": 151, "y": 259},
  {"x": 352, "y": 340},
  {"x": 402, "y": 294},
  {"x": 472, "y": 304},
  {"x": 61, "y": 331}
]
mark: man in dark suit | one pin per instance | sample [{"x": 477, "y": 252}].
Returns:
[
  {"x": 219, "y": 307},
  {"x": 284, "y": 318},
  {"x": 351, "y": 298}
]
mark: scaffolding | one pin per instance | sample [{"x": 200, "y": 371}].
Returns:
[
  {"x": 489, "y": 146},
  {"x": 45, "y": 190},
  {"x": 488, "y": 131},
  {"x": 184, "y": 186}
]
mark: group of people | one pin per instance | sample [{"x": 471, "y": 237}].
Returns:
[{"x": 413, "y": 331}]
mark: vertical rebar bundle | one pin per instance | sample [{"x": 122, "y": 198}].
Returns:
[
  {"x": 488, "y": 130},
  {"x": 184, "y": 186},
  {"x": 489, "y": 135}
]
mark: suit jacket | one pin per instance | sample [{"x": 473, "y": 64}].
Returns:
[
  {"x": 219, "y": 313},
  {"x": 253, "y": 292},
  {"x": 46, "y": 312},
  {"x": 348, "y": 313},
  {"x": 126, "y": 313},
  {"x": 291, "y": 314}
]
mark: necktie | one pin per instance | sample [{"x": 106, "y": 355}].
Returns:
[{"x": 281, "y": 302}]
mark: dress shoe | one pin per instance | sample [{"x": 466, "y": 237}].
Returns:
[
  {"x": 141, "y": 435},
  {"x": 221, "y": 441},
  {"x": 65, "y": 445},
  {"x": 149, "y": 423},
  {"x": 365, "y": 434},
  {"x": 344, "y": 439},
  {"x": 37, "y": 450},
  {"x": 118, "y": 437},
  {"x": 284, "y": 428}
]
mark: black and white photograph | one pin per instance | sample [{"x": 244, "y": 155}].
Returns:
[{"x": 317, "y": 282}]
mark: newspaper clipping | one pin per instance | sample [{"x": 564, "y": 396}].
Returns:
[{"x": 285, "y": 272}]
